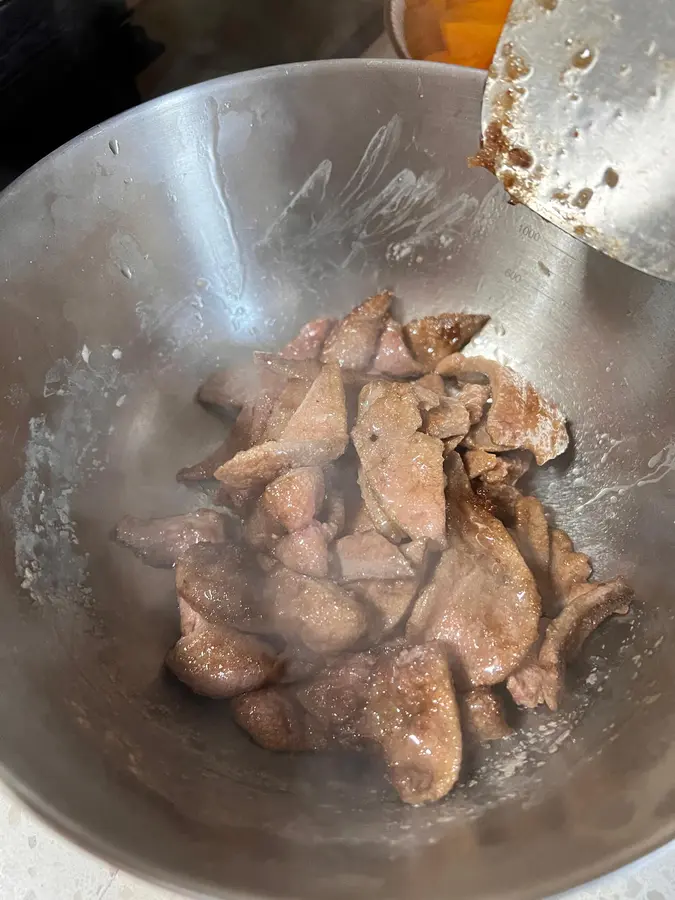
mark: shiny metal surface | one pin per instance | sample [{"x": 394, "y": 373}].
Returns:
[
  {"x": 180, "y": 236},
  {"x": 588, "y": 89},
  {"x": 394, "y": 26}
]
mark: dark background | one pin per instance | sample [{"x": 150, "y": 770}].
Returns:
[{"x": 66, "y": 65}]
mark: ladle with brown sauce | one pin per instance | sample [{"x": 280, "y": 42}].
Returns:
[{"x": 576, "y": 123}]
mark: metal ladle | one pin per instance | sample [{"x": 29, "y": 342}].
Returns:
[{"x": 578, "y": 122}]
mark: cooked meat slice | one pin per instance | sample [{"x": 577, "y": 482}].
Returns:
[
  {"x": 412, "y": 714},
  {"x": 276, "y": 721},
  {"x": 457, "y": 481},
  {"x": 160, "y": 542},
  {"x": 448, "y": 420},
  {"x": 402, "y": 467},
  {"x": 482, "y": 602},
  {"x": 568, "y": 568},
  {"x": 266, "y": 562},
  {"x": 275, "y": 370},
  {"x": 300, "y": 663},
  {"x": 283, "y": 409},
  {"x": 232, "y": 388},
  {"x": 432, "y": 382},
  {"x": 216, "y": 581},
  {"x": 315, "y": 435},
  {"x": 474, "y": 398},
  {"x": 322, "y": 415},
  {"x": 253, "y": 469},
  {"x": 567, "y": 632},
  {"x": 379, "y": 520},
  {"x": 480, "y": 462},
  {"x": 393, "y": 355},
  {"x": 321, "y": 615},
  {"x": 416, "y": 552},
  {"x": 247, "y": 430},
  {"x": 518, "y": 417},
  {"x": 532, "y": 536},
  {"x": 261, "y": 531},
  {"x": 362, "y": 521},
  {"x": 205, "y": 468},
  {"x": 370, "y": 555},
  {"x": 493, "y": 469},
  {"x": 221, "y": 662},
  {"x": 435, "y": 337},
  {"x": 405, "y": 474},
  {"x": 542, "y": 681},
  {"x": 531, "y": 684},
  {"x": 304, "y": 551},
  {"x": 335, "y": 697},
  {"x": 295, "y": 499},
  {"x": 483, "y": 715},
  {"x": 353, "y": 341},
  {"x": 389, "y": 407},
  {"x": 309, "y": 341},
  {"x": 389, "y": 603},
  {"x": 501, "y": 500},
  {"x": 427, "y": 398},
  {"x": 190, "y": 620}
]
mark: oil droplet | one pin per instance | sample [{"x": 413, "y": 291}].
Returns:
[
  {"x": 126, "y": 271},
  {"x": 583, "y": 198},
  {"x": 611, "y": 177},
  {"x": 583, "y": 58},
  {"x": 625, "y": 69},
  {"x": 516, "y": 67},
  {"x": 114, "y": 146}
]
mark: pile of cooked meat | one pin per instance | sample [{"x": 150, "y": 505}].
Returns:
[{"x": 375, "y": 572}]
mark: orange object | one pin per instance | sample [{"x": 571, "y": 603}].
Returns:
[
  {"x": 471, "y": 43},
  {"x": 469, "y": 29},
  {"x": 441, "y": 56},
  {"x": 493, "y": 11}
]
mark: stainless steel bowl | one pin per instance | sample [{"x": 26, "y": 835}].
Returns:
[{"x": 181, "y": 235}]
